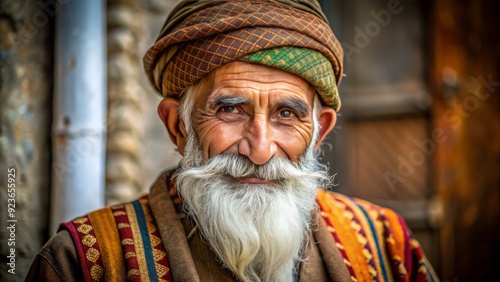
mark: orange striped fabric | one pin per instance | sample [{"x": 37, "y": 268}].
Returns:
[{"x": 375, "y": 242}]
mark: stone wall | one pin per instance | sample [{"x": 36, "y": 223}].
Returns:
[
  {"x": 26, "y": 48},
  {"x": 138, "y": 146}
]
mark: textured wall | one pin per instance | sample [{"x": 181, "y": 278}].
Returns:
[
  {"x": 25, "y": 94},
  {"x": 465, "y": 81},
  {"x": 125, "y": 106},
  {"x": 159, "y": 153},
  {"x": 138, "y": 146}
]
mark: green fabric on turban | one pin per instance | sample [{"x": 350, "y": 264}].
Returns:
[
  {"x": 306, "y": 63},
  {"x": 200, "y": 36}
]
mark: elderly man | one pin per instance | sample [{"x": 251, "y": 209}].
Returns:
[{"x": 250, "y": 93}]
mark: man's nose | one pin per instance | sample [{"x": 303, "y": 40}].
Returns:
[{"x": 257, "y": 142}]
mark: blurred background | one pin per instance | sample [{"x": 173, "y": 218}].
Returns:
[{"x": 419, "y": 129}]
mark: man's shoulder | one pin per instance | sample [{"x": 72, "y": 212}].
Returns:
[
  {"x": 344, "y": 202},
  {"x": 361, "y": 227},
  {"x": 121, "y": 208},
  {"x": 354, "y": 211},
  {"x": 56, "y": 261},
  {"x": 107, "y": 212},
  {"x": 118, "y": 231}
]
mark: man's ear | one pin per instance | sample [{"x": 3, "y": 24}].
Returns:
[
  {"x": 168, "y": 110},
  {"x": 327, "y": 120}
]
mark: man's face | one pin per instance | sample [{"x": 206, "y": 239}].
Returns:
[
  {"x": 250, "y": 110},
  {"x": 255, "y": 111}
]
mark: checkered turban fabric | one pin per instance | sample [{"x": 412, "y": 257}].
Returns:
[{"x": 200, "y": 36}]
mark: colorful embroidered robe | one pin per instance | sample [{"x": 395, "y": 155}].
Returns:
[{"x": 123, "y": 242}]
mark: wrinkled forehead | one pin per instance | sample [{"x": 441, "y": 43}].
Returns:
[{"x": 246, "y": 80}]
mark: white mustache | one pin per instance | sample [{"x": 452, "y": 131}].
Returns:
[{"x": 236, "y": 166}]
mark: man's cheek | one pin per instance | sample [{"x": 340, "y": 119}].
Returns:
[
  {"x": 293, "y": 142},
  {"x": 219, "y": 138}
]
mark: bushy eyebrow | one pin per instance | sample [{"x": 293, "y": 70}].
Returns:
[
  {"x": 229, "y": 101},
  {"x": 296, "y": 105}
]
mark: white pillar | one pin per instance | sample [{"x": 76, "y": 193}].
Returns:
[{"x": 79, "y": 120}]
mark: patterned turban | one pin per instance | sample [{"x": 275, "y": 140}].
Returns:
[{"x": 200, "y": 36}]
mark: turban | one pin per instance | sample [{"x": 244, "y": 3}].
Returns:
[{"x": 200, "y": 36}]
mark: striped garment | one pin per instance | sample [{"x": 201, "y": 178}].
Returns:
[
  {"x": 141, "y": 255},
  {"x": 123, "y": 242},
  {"x": 375, "y": 242}
]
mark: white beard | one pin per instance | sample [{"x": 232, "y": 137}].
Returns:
[{"x": 258, "y": 231}]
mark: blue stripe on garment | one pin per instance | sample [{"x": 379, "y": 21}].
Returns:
[
  {"x": 146, "y": 241},
  {"x": 375, "y": 238}
]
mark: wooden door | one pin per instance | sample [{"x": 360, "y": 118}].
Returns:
[
  {"x": 465, "y": 86},
  {"x": 380, "y": 146},
  {"x": 419, "y": 128}
]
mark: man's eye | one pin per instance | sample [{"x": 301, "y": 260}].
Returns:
[
  {"x": 287, "y": 114},
  {"x": 228, "y": 109}
]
